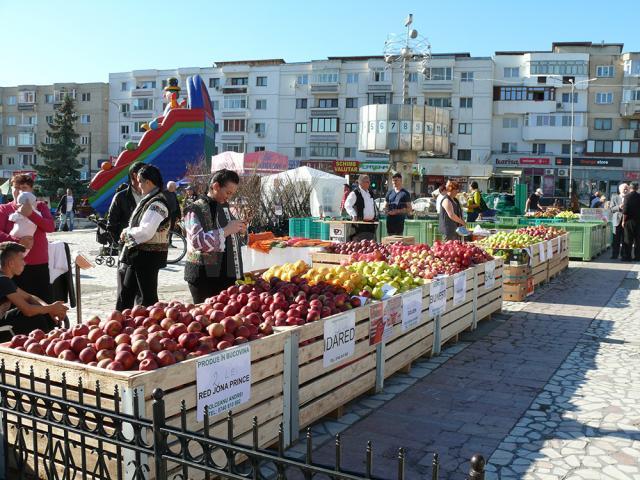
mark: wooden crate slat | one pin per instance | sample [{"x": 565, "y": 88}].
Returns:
[{"x": 314, "y": 369}]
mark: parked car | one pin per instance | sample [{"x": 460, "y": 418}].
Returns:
[
  {"x": 380, "y": 203},
  {"x": 423, "y": 205}
]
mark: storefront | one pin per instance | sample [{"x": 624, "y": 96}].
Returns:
[{"x": 593, "y": 174}]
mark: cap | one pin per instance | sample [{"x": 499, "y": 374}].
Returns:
[{"x": 539, "y": 191}]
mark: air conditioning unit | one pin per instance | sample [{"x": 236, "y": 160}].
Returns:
[
  {"x": 260, "y": 134},
  {"x": 549, "y": 171},
  {"x": 125, "y": 136},
  {"x": 218, "y": 87},
  {"x": 125, "y": 114},
  {"x": 563, "y": 172},
  {"x": 559, "y": 105}
]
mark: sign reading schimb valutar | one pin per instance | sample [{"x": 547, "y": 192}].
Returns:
[
  {"x": 223, "y": 381},
  {"x": 339, "y": 338}
]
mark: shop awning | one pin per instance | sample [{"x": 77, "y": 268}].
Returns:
[{"x": 507, "y": 172}]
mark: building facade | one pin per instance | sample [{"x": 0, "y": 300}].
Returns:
[{"x": 25, "y": 111}]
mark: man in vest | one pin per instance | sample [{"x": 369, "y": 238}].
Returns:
[{"x": 360, "y": 206}]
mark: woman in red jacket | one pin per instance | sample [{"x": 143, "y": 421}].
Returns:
[{"x": 35, "y": 278}]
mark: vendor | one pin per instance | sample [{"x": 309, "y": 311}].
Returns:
[
  {"x": 214, "y": 259},
  {"x": 450, "y": 216},
  {"x": 398, "y": 206},
  {"x": 361, "y": 208},
  {"x": 533, "y": 202},
  {"x": 20, "y": 310}
]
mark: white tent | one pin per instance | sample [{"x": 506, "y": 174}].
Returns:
[{"x": 327, "y": 191}]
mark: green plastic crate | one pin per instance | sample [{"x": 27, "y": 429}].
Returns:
[
  {"x": 416, "y": 229},
  {"x": 296, "y": 227},
  {"x": 312, "y": 228},
  {"x": 540, "y": 221},
  {"x": 507, "y": 220}
]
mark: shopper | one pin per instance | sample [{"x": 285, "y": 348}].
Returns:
[
  {"x": 172, "y": 201},
  {"x": 361, "y": 207},
  {"x": 631, "y": 224},
  {"x": 398, "y": 206},
  {"x": 146, "y": 242},
  {"x": 476, "y": 204},
  {"x": 20, "y": 310},
  {"x": 214, "y": 259},
  {"x": 450, "y": 217},
  {"x": 617, "y": 202},
  {"x": 35, "y": 277},
  {"x": 440, "y": 194},
  {"x": 67, "y": 208},
  {"x": 598, "y": 202},
  {"x": 533, "y": 202},
  {"x": 346, "y": 190}
]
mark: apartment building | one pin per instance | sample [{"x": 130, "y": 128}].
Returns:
[
  {"x": 25, "y": 111},
  {"x": 309, "y": 111}
]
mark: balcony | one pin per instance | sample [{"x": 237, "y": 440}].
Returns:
[
  {"x": 323, "y": 137},
  {"x": 629, "y": 134},
  {"x": 506, "y": 107},
  {"x": 630, "y": 108},
  {"x": 142, "y": 113},
  {"x": 234, "y": 136},
  {"x": 235, "y": 112},
  {"x": 430, "y": 85},
  {"x": 319, "y": 112},
  {"x": 533, "y": 133},
  {"x": 322, "y": 88},
  {"x": 383, "y": 87},
  {"x": 143, "y": 92}
]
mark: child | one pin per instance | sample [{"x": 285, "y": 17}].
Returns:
[{"x": 23, "y": 227}]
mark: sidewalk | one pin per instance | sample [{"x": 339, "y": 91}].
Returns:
[{"x": 514, "y": 391}]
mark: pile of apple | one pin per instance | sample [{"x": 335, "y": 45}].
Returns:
[
  {"x": 339, "y": 275},
  {"x": 462, "y": 255},
  {"x": 382, "y": 273},
  {"x": 541, "y": 232},
  {"x": 363, "y": 250}
]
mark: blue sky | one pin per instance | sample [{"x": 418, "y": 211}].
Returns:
[{"x": 46, "y": 41}]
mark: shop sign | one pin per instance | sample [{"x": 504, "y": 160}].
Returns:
[
  {"x": 459, "y": 288},
  {"x": 534, "y": 161},
  {"x": 373, "y": 167},
  {"x": 489, "y": 274},
  {"x": 339, "y": 338},
  {"x": 459, "y": 179},
  {"x": 376, "y": 323},
  {"x": 509, "y": 162},
  {"x": 223, "y": 381},
  {"x": 326, "y": 166},
  {"x": 590, "y": 162},
  {"x": 631, "y": 176},
  {"x": 392, "y": 316},
  {"x": 345, "y": 166}
]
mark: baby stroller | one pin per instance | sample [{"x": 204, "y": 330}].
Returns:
[{"x": 109, "y": 251}]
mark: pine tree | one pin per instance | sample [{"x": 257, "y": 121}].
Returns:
[{"x": 61, "y": 169}]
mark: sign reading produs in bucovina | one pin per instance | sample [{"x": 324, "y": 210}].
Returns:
[
  {"x": 223, "y": 381},
  {"x": 345, "y": 166}
]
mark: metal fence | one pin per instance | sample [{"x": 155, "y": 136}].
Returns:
[{"x": 65, "y": 432}]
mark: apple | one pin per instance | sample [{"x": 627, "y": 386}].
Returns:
[
  {"x": 115, "y": 365},
  {"x": 127, "y": 359},
  {"x": 93, "y": 321},
  {"x": 67, "y": 355},
  {"x": 177, "y": 329},
  {"x": 166, "y": 323},
  {"x": 61, "y": 346},
  {"x": 240, "y": 340},
  {"x": 149, "y": 322},
  {"x": 155, "y": 329},
  {"x": 188, "y": 340},
  {"x": 102, "y": 354},
  {"x": 36, "y": 349},
  {"x": 223, "y": 344},
  {"x": 265, "y": 328},
  {"x": 229, "y": 324},
  {"x": 216, "y": 316},
  {"x": 172, "y": 313},
  {"x": 166, "y": 358},
  {"x": 180, "y": 354},
  {"x": 194, "y": 327},
  {"x": 139, "y": 346},
  {"x": 124, "y": 347},
  {"x": 105, "y": 342},
  {"x": 123, "y": 338},
  {"x": 78, "y": 344},
  {"x": 18, "y": 341},
  {"x": 169, "y": 344},
  {"x": 139, "y": 311},
  {"x": 148, "y": 364},
  {"x": 126, "y": 312},
  {"x": 87, "y": 355},
  {"x": 154, "y": 344},
  {"x": 50, "y": 349},
  {"x": 216, "y": 329}
]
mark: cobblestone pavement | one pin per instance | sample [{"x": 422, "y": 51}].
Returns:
[
  {"x": 99, "y": 283},
  {"x": 530, "y": 390}
]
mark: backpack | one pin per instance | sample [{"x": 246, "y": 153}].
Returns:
[{"x": 483, "y": 204}]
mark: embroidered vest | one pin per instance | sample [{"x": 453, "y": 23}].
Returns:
[{"x": 160, "y": 240}]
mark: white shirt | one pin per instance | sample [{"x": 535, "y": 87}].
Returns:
[
  {"x": 149, "y": 223},
  {"x": 439, "y": 202},
  {"x": 69, "y": 203},
  {"x": 369, "y": 209}
]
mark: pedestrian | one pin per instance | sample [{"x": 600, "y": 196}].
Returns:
[
  {"x": 20, "y": 310},
  {"x": 190, "y": 194},
  {"x": 398, "y": 206},
  {"x": 214, "y": 258},
  {"x": 361, "y": 207},
  {"x": 617, "y": 202},
  {"x": 35, "y": 277},
  {"x": 146, "y": 241},
  {"x": 631, "y": 224},
  {"x": 533, "y": 202},
  {"x": 172, "y": 201},
  {"x": 476, "y": 204},
  {"x": 67, "y": 207},
  {"x": 346, "y": 190},
  {"x": 450, "y": 217},
  {"x": 440, "y": 193},
  {"x": 598, "y": 202},
  {"x": 122, "y": 206}
]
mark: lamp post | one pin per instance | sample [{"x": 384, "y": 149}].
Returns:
[{"x": 117, "y": 105}]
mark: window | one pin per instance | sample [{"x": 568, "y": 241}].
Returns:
[
  {"x": 301, "y": 127},
  {"x": 324, "y": 150},
  {"x": 466, "y": 76},
  {"x": 300, "y": 152},
  {"x": 602, "y": 124},
  {"x": 137, "y": 127},
  {"x": 566, "y": 148},
  {"x": 86, "y": 97},
  {"x": 439, "y": 101},
  {"x": 303, "y": 79},
  {"x": 413, "y": 77},
  {"x": 215, "y": 105},
  {"x": 464, "y": 155},
  {"x": 327, "y": 76},
  {"x": 11, "y": 160},
  {"x": 48, "y": 98},
  {"x": 125, "y": 108},
  {"x": 441, "y": 73},
  {"x": 48, "y": 140},
  {"x": 11, "y": 100},
  {"x": 352, "y": 78},
  {"x": 604, "y": 146},
  {"x": 545, "y": 121},
  {"x": 466, "y": 102},
  {"x": 235, "y": 125},
  {"x": 379, "y": 75},
  {"x": 261, "y": 104},
  {"x": 48, "y": 119},
  {"x": 27, "y": 97},
  {"x": 142, "y": 104},
  {"x": 539, "y": 148},
  {"x": 11, "y": 120},
  {"x": 214, "y": 82},
  {"x": 566, "y": 97},
  {"x": 350, "y": 128},
  {"x": 233, "y": 147},
  {"x": 26, "y": 139},
  {"x": 259, "y": 149},
  {"x": 85, "y": 119},
  {"x": 235, "y": 102},
  {"x": 524, "y": 93},
  {"x": 464, "y": 128},
  {"x": 605, "y": 71},
  {"x": 260, "y": 128},
  {"x": 147, "y": 84},
  {"x": 352, "y": 102},
  {"x": 301, "y": 103},
  {"x": 510, "y": 122},
  {"x": 509, "y": 147},
  {"x": 261, "y": 81},
  {"x": 11, "y": 141},
  {"x": 379, "y": 99},
  {"x": 559, "y": 67},
  {"x": 327, "y": 103},
  {"x": 84, "y": 139},
  {"x": 124, "y": 129},
  {"x": 604, "y": 98},
  {"x": 27, "y": 159},
  {"x": 324, "y": 125},
  {"x": 511, "y": 72},
  {"x": 411, "y": 101},
  {"x": 237, "y": 81},
  {"x": 349, "y": 152}
]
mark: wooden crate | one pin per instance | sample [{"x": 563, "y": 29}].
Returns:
[
  {"x": 489, "y": 299},
  {"x": 178, "y": 382},
  {"x": 408, "y": 240},
  {"x": 540, "y": 273},
  {"x": 558, "y": 266},
  {"x": 324, "y": 259},
  {"x": 456, "y": 320}
]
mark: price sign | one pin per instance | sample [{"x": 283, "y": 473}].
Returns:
[
  {"x": 339, "y": 338},
  {"x": 372, "y": 127},
  {"x": 392, "y": 316},
  {"x": 459, "y": 288},
  {"x": 543, "y": 251},
  {"x": 437, "y": 296},
  {"x": 223, "y": 381},
  {"x": 489, "y": 275},
  {"x": 549, "y": 249},
  {"x": 387, "y": 291},
  {"x": 376, "y": 323},
  {"x": 411, "y": 309},
  {"x": 428, "y": 128}
]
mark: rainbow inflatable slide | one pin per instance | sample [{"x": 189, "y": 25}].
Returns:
[{"x": 180, "y": 137}]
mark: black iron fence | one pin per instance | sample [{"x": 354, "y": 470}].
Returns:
[{"x": 58, "y": 431}]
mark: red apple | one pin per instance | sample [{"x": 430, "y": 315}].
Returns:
[
  {"x": 87, "y": 355},
  {"x": 145, "y": 354},
  {"x": 115, "y": 365},
  {"x": 148, "y": 364},
  {"x": 127, "y": 359},
  {"x": 172, "y": 313},
  {"x": 139, "y": 346},
  {"x": 169, "y": 344},
  {"x": 124, "y": 347},
  {"x": 194, "y": 327},
  {"x": 230, "y": 309},
  {"x": 102, "y": 354},
  {"x": 93, "y": 321},
  {"x": 155, "y": 329},
  {"x": 112, "y": 328},
  {"x": 224, "y": 344},
  {"x": 36, "y": 349},
  {"x": 148, "y": 322},
  {"x": 188, "y": 340},
  {"x": 81, "y": 330},
  {"x": 216, "y": 329},
  {"x": 105, "y": 342},
  {"x": 123, "y": 338},
  {"x": 67, "y": 355},
  {"x": 180, "y": 354},
  {"x": 78, "y": 344},
  {"x": 166, "y": 358},
  {"x": 51, "y": 349},
  {"x": 139, "y": 311},
  {"x": 61, "y": 346},
  {"x": 18, "y": 341},
  {"x": 240, "y": 340},
  {"x": 156, "y": 313},
  {"x": 154, "y": 344},
  {"x": 177, "y": 329},
  {"x": 166, "y": 323},
  {"x": 104, "y": 363}
]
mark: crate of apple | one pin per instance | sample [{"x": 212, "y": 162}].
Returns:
[
  {"x": 380, "y": 273},
  {"x": 541, "y": 232},
  {"x": 461, "y": 254},
  {"x": 364, "y": 250}
]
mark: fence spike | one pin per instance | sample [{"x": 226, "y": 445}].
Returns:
[
  {"x": 3, "y": 379},
  {"x": 47, "y": 382},
  {"x": 98, "y": 394},
  {"x": 369, "y": 465},
  {"x": 338, "y": 453},
  {"x": 476, "y": 472},
  {"x": 230, "y": 426},
  {"x": 64, "y": 385},
  {"x": 280, "y": 439},
  {"x": 206, "y": 423},
  {"x": 435, "y": 467},
  {"x": 401, "y": 463},
  {"x": 136, "y": 403},
  {"x": 116, "y": 398},
  {"x": 80, "y": 390},
  {"x": 254, "y": 428},
  {"x": 17, "y": 370},
  {"x": 309, "y": 445},
  {"x": 183, "y": 415}
]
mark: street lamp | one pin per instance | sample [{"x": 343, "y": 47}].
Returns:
[
  {"x": 117, "y": 105},
  {"x": 573, "y": 85}
]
